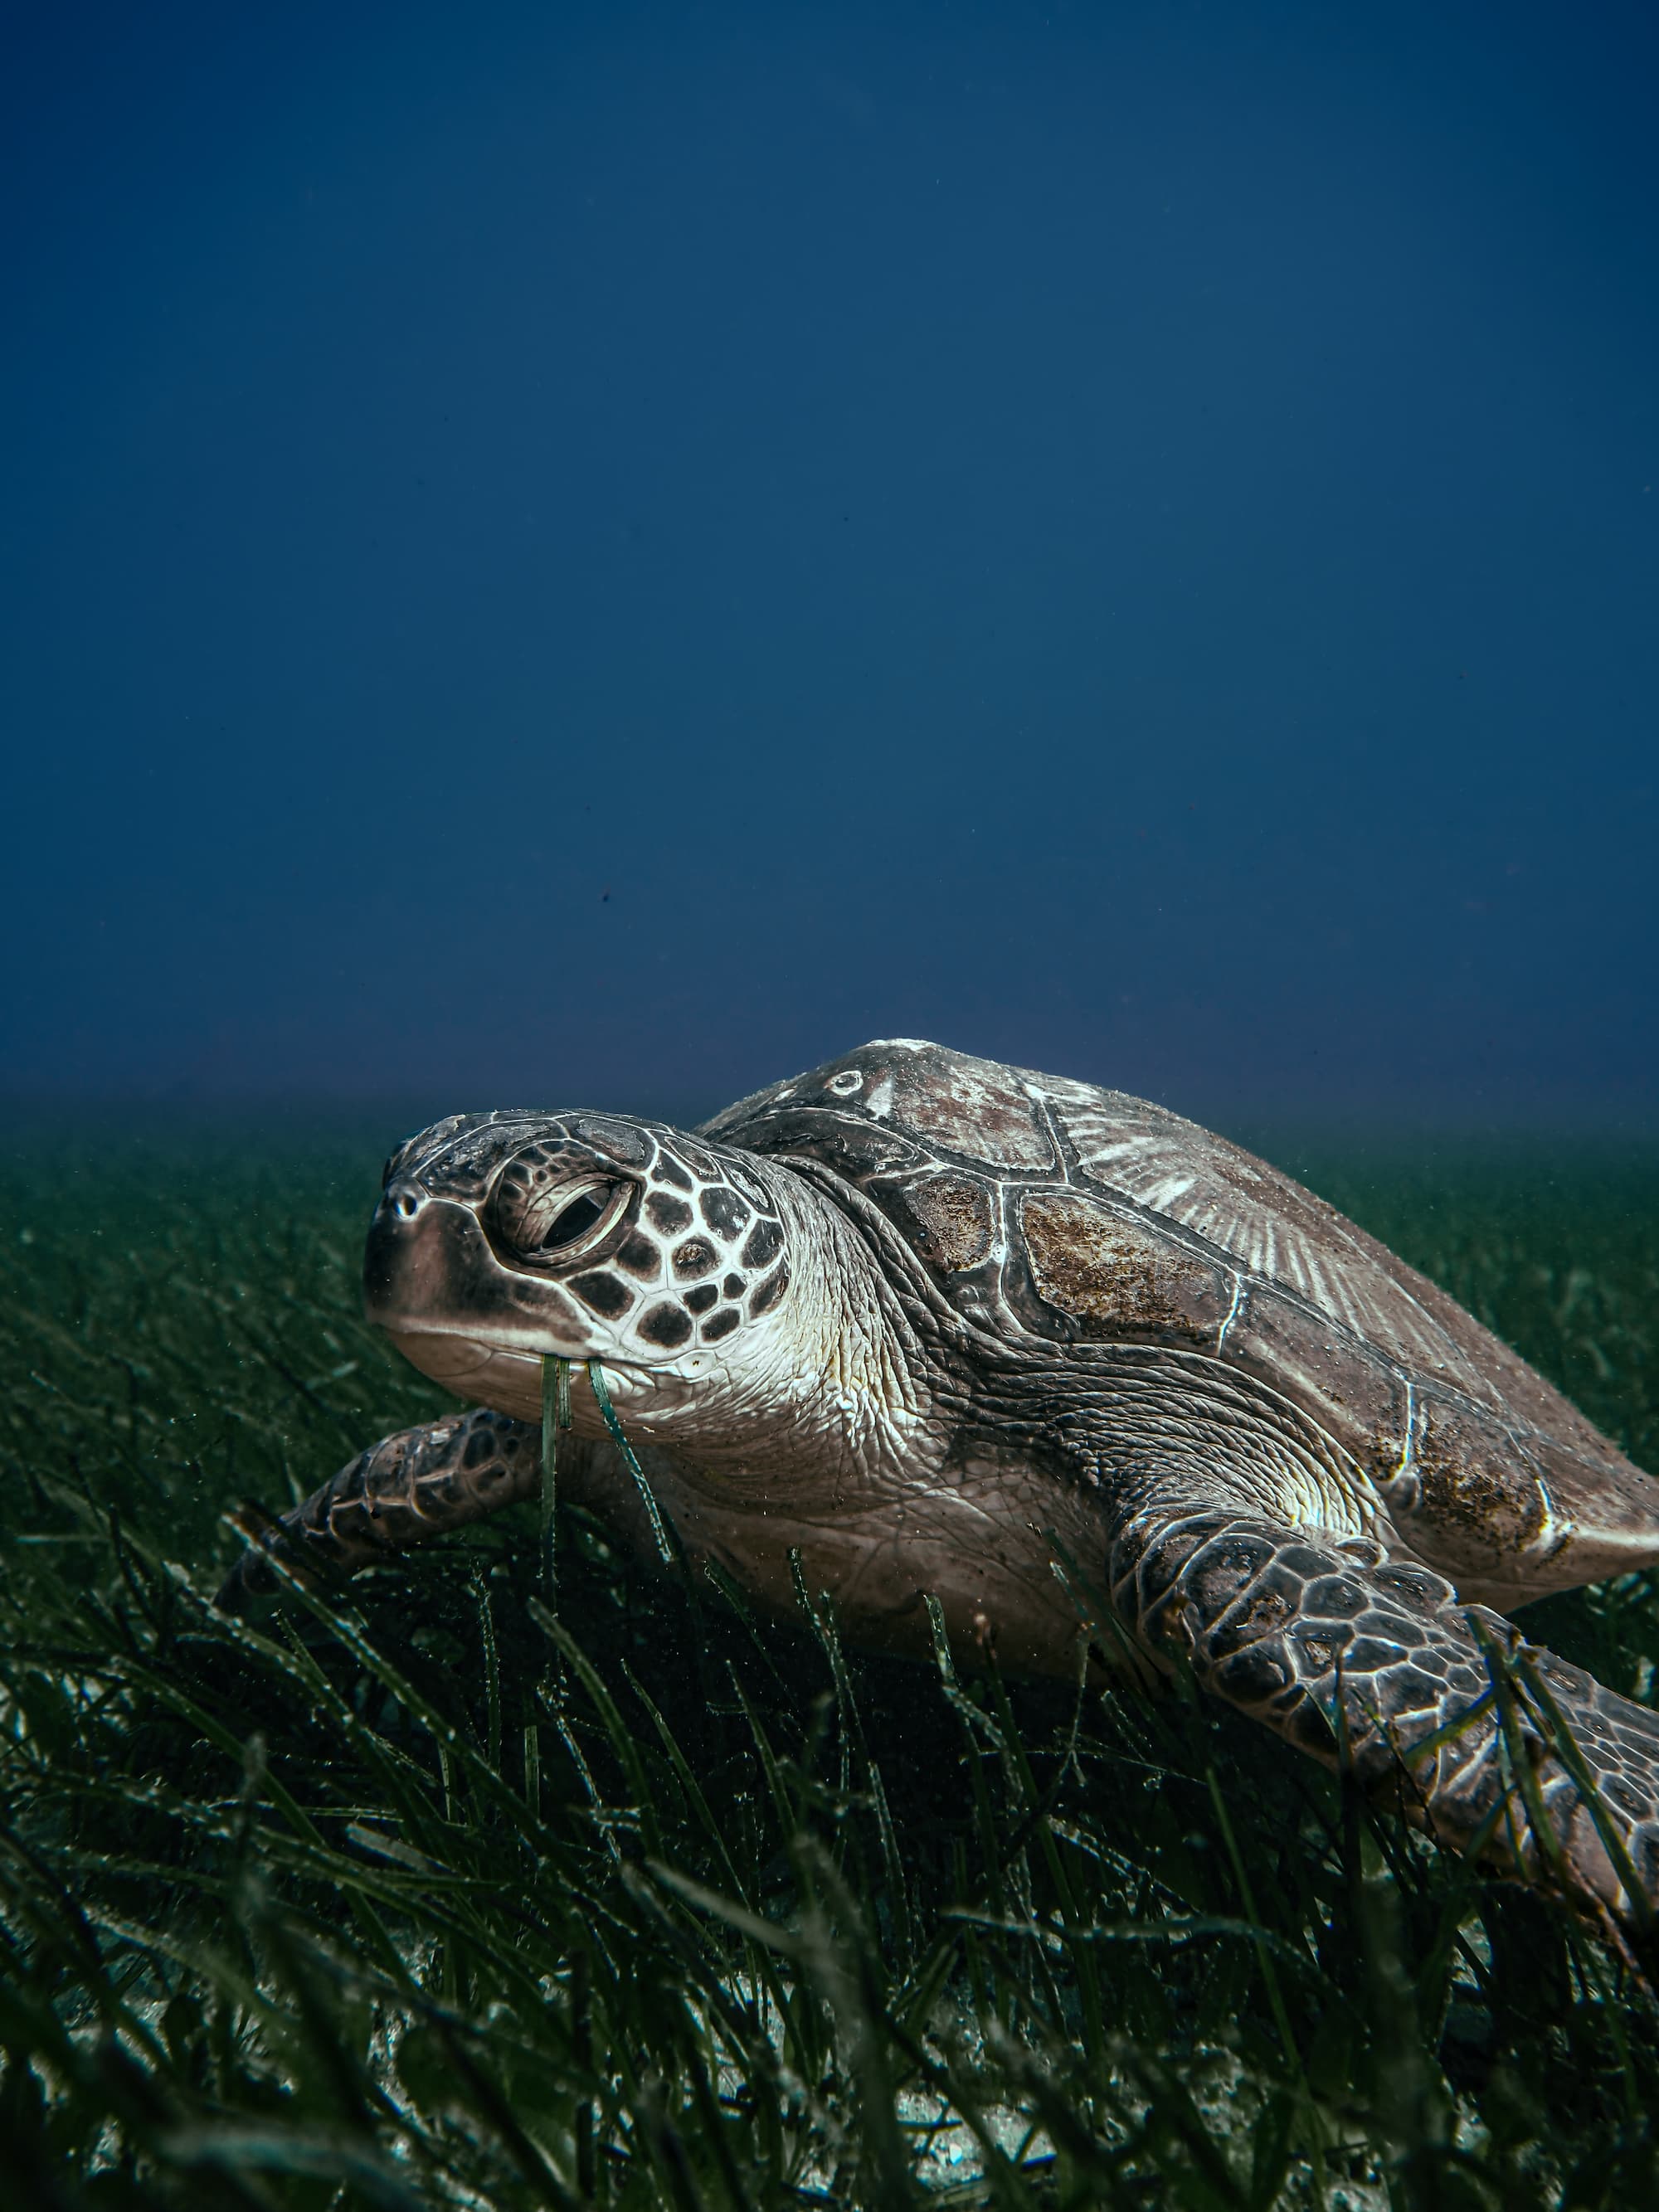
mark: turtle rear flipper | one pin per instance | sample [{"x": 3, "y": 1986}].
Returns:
[
  {"x": 1494, "y": 1745},
  {"x": 405, "y": 1490}
]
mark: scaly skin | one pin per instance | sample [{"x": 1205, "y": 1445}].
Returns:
[
  {"x": 407, "y": 1489},
  {"x": 1313, "y": 1639}
]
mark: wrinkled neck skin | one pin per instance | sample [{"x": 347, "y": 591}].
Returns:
[{"x": 849, "y": 1443}]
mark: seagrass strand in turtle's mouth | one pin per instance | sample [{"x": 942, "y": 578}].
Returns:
[
  {"x": 509, "y": 1377},
  {"x": 503, "y": 1239},
  {"x": 484, "y": 1374},
  {"x": 740, "y": 1318}
]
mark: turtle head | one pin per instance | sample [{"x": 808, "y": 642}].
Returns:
[{"x": 502, "y": 1238}]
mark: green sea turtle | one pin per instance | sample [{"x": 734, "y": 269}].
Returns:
[{"x": 934, "y": 1323}]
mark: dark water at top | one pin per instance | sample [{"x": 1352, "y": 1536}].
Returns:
[{"x": 617, "y": 553}]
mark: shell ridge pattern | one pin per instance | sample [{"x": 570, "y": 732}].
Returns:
[
  {"x": 1241, "y": 1292},
  {"x": 1298, "y": 1277},
  {"x": 1269, "y": 1247},
  {"x": 1408, "y": 1440},
  {"x": 1059, "y": 1135},
  {"x": 1063, "y": 1219},
  {"x": 1371, "y": 1310}
]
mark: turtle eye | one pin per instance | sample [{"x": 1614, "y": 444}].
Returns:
[{"x": 557, "y": 1221}]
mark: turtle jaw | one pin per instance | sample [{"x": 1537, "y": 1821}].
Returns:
[
  {"x": 484, "y": 1374},
  {"x": 432, "y": 1281},
  {"x": 509, "y": 1377}
]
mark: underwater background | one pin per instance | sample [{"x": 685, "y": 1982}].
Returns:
[
  {"x": 603, "y": 555},
  {"x": 609, "y": 553}
]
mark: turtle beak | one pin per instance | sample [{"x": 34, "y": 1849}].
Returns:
[
  {"x": 415, "y": 1267},
  {"x": 429, "y": 1268}
]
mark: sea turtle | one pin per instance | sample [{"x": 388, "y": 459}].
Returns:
[{"x": 936, "y": 1325}]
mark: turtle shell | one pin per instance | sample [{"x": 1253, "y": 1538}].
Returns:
[{"x": 1052, "y": 1213}]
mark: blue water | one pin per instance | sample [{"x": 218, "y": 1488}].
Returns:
[{"x": 610, "y": 553}]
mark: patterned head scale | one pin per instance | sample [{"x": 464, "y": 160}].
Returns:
[{"x": 585, "y": 1234}]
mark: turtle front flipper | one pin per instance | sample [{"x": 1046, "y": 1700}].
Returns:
[
  {"x": 1496, "y": 1745},
  {"x": 405, "y": 1490}
]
